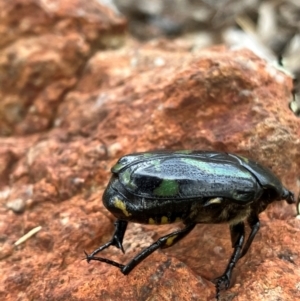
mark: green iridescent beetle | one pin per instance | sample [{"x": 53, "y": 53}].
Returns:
[{"x": 191, "y": 187}]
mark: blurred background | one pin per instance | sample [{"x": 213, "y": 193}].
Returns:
[{"x": 270, "y": 28}]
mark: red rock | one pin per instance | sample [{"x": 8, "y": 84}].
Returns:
[
  {"x": 135, "y": 98},
  {"x": 42, "y": 56}
]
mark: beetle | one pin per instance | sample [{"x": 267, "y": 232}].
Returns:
[{"x": 162, "y": 187}]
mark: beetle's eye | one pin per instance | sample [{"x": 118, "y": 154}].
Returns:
[{"x": 290, "y": 198}]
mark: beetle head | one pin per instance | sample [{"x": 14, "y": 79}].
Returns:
[{"x": 289, "y": 197}]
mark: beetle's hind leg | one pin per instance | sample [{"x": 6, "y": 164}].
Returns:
[
  {"x": 163, "y": 242},
  {"x": 117, "y": 240},
  {"x": 237, "y": 233}
]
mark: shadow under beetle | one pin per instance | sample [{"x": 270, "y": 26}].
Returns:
[{"x": 163, "y": 187}]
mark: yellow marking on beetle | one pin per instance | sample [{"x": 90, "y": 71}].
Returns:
[
  {"x": 183, "y": 151},
  {"x": 117, "y": 167},
  {"x": 164, "y": 220},
  {"x": 177, "y": 220},
  {"x": 122, "y": 206},
  {"x": 151, "y": 221},
  {"x": 170, "y": 240},
  {"x": 214, "y": 201},
  {"x": 244, "y": 159}
]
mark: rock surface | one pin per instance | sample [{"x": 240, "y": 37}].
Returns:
[
  {"x": 75, "y": 108},
  {"x": 44, "y": 47}
]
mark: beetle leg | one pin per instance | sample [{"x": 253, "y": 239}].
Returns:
[
  {"x": 108, "y": 261},
  {"x": 163, "y": 242},
  {"x": 255, "y": 225},
  {"x": 237, "y": 233},
  {"x": 117, "y": 240}
]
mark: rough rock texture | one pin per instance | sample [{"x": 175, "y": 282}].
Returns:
[
  {"x": 138, "y": 97},
  {"x": 44, "y": 46}
]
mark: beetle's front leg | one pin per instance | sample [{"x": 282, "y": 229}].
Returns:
[
  {"x": 163, "y": 242},
  {"x": 117, "y": 240},
  {"x": 237, "y": 233}
]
